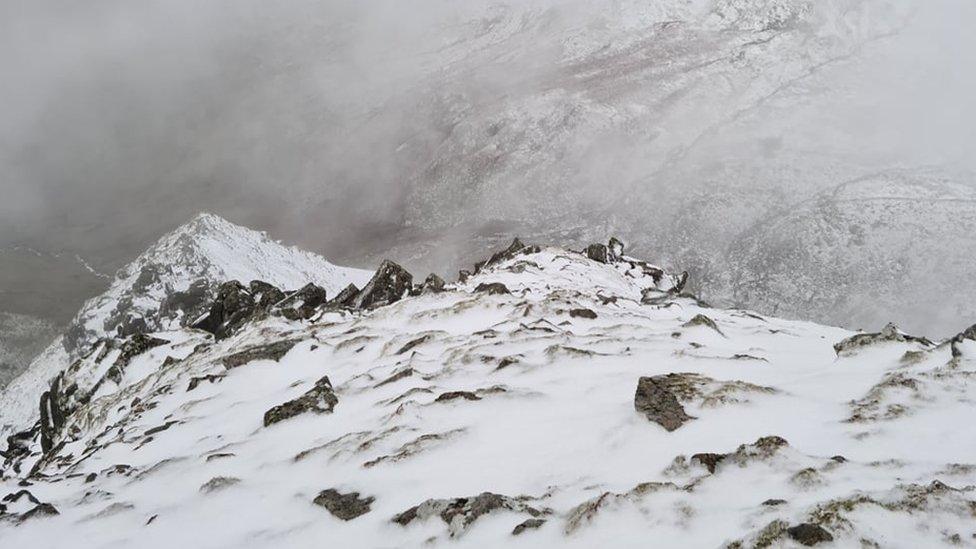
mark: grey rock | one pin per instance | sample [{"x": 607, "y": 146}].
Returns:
[
  {"x": 809, "y": 534},
  {"x": 460, "y": 513},
  {"x": 492, "y": 288},
  {"x": 302, "y": 304},
  {"x": 890, "y": 333},
  {"x": 390, "y": 283},
  {"x": 599, "y": 253},
  {"x": 273, "y": 351},
  {"x": 344, "y": 506},
  {"x": 531, "y": 524},
  {"x": 660, "y": 405},
  {"x": 321, "y": 399}
]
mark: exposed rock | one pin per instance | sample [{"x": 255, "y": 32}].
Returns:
[
  {"x": 615, "y": 248},
  {"x": 390, "y": 283},
  {"x": 599, "y": 253},
  {"x": 702, "y": 320},
  {"x": 454, "y": 395},
  {"x": 219, "y": 483},
  {"x": 414, "y": 343},
  {"x": 233, "y": 306},
  {"x": 582, "y": 313},
  {"x": 708, "y": 460},
  {"x": 463, "y": 275},
  {"x": 460, "y": 513},
  {"x": 433, "y": 284},
  {"x": 265, "y": 295},
  {"x": 273, "y": 351},
  {"x": 344, "y": 506},
  {"x": 190, "y": 304},
  {"x": 321, "y": 399},
  {"x": 301, "y": 305},
  {"x": 345, "y": 298},
  {"x": 809, "y": 534},
  {"x": 514, "y": 249},
  {"x": 196, "y": 381},
  {"x": 956, "y": 342},
  {"x": 774, "y": 502},
  {"x": 654, "y": 400},
  {"x": 889, "y": 333},
  {"x": 492, "y": 288},
  {"x": 42, "y": 510},
  {"x": 531, "y": 524}
]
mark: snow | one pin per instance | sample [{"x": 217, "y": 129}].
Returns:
[
  {"x": 207, "y": 248},
  {"x": 557, "y": 426}
]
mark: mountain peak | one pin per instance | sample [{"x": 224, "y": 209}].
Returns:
[{"x": 169, "y": 283}]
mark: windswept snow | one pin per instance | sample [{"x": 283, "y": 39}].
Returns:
[
  {"x": 465, "y": 415},
  {"x": 208, "y": 249}
]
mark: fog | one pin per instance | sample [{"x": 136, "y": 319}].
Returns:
[{"x": 366, "y": 128}]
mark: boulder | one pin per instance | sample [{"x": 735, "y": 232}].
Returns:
[
  {"x": 321, "y": 399},
  {"x": 390, "y": 283},
  {"x": 302, "y": 304},
  {"x": 660, "y": 405},
  {"x": 432, "y": 285},
  {"x": 345, "y": 298},
  {"x": 599, "y": 253},
  {"x": 344, "y": 506},
  {"x": 492, "y": 288},
  {"x": 809, "y": 534},
  {"x": 232, "y": 307}
]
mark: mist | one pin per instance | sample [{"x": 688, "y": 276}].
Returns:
[{"x": 427, "y": 130}]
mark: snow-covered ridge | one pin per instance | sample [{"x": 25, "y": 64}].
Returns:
[
  {"x": 188, "y": 264},
  {"x": 552, "y": 398}
]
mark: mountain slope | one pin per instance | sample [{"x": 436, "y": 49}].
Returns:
[
  {"x": 550, "y": 399},
  {"x": 169, "y": 285}
]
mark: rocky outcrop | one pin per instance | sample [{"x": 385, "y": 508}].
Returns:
[
  {"x": 233, "y": 306},
  {"x": 344, "y": 506},
  {"x": 302, "y": 305},
  {"x": 889, "y": 333},
  {"x": 390, "y": 284},
  {"x": 345, "y": 298},
  {"x": 461, "y": 513},
  {"x": 660, "y": 405},
  {"x": 320, "y": 399},
  {"x": 272, "y": 351}
]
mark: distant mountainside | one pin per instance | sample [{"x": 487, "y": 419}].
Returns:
[
  {"x": 22, "y": 337},
  {"x": 549, "y": 398},
  {"x": 171, "y": 284}
]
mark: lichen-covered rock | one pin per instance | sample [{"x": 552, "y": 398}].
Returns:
[
  {"x": 654, "y": 400},
  {"x": 702, "y": 320},
  {"x": 889, "y": 333},
  {"x": 390, "y": 283},
  {"x": 492, "y": 288},
  {"x": 273, "y": 351},
  {"x": 344, "y": 506},
  {"x": 809, "y": 534},
  {"x": 320, "y": 399},
  {"x": 460, "y": 513},
  {"x": 531, "y": 524}
]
